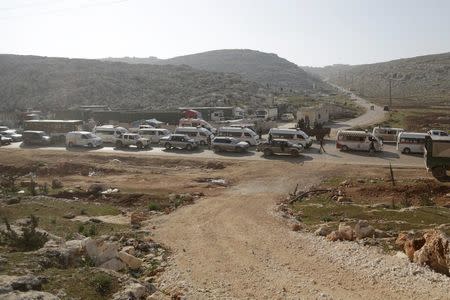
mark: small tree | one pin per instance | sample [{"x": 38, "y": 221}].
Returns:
[{"x": 29, "y": 240}]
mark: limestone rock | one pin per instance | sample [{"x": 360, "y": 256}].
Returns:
[
  {"x": 114, "y": 264},
  {"x": 434, "y": 252},
  {"x": 363, "y": 229},
  {"x": 323, "y": 230},
  {"x": 100, "y": 251},
  {"x": 20, "y": 283},
  {"x": 29, "y": 295},
  {"x": 133, "y": 290},
  {"x": 131, "y": 261},
  {"x": 346, "y": 232},
  {"x": 334, "y": 236}
]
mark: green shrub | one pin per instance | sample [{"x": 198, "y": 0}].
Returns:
[
  {"x": 29, "y": 240},
  {"x": 154, "y": 206},
  {"x": 102, "y": 283}
]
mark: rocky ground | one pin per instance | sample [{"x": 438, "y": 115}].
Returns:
[{"x": 161, "y": 228}]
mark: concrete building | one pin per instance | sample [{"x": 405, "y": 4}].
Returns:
[{"x": 319, "y": 114}]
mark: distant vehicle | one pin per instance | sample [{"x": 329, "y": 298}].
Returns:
[
  {"x": 109, "y": 133},
  {"x": 5, "y": 140},
  {"x": 153, "y": 134},
  {"x": 242, "y": 134},
  {"x": 387, "y": 134},
  {"x": 357, "y": 140},
  {"x": 411, "y": 142},
  {"x": 295, "y": 136},
  {"x": 132, "y": 139},
  {"x": 436, "y": 132},
  {"x": 228, "y": 144},
  {"x": 3, "y": 128},
  {"x": 181, "y": 141},
  {"x": 186, "y": 122},
  {"x": 267, "y": 113},
  {"x": 31, "y": 137},
  {"x": 437, "y": 156},
  {"x": 83, "y": 139},
  {"x": 199, "y": 134},
  {"x": 279, "y": 146},
  {"x": 12, "y": 134},
  {"x": 372, "y": 107},
  {"x": 287, "y": 117},
  {"x": 386, "y": 108},
  {"x": 56, "y": 129}
]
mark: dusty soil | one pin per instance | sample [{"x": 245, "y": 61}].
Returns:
[{"x": 231, "y": 243}]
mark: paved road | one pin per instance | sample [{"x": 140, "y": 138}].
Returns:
[{"x": 333, "y": 155}]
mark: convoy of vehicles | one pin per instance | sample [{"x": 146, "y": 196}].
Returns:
[
  {"x": 222, "y": 143},
  {"x": 199, "y": 134},
  {"x": 411, "y": 142},
  {"x": 83, "y": 139},
  {"x": 357, "y": 140},
  {"x": 180, "y": 141},
  {"x": 242, "y": 134},
  {"x": 387, "y": 134},
  {"x": 279, "y": 146},
  {"x": 295, "y": 136},
  {"x": 132, "y": 139},
  {"x": 437, "y": 156}
]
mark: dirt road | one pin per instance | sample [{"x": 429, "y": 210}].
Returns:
[{"x": 236, "y": 246}]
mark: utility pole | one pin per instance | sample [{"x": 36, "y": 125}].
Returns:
[{"x": 390, "y": 92}]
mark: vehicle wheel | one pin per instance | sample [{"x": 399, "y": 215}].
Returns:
[
  {"x": 267, "y": 152},
  {"x": 168, "y": 146},
  {"x": 344, "y": 148},
  {"x": 216, "y": 149},
  {"x": 139, "y": 145},
  {"x": 70, "y": 145},
  {"x": 294, "y": 153},
  {"x": 189, "y": 147},
  {"x": 119, "y": 144},
  {"x": 439, "y": 173},
  {"x": 202, "y": 143},
  {"x": 90, "y": 145},
  {"x": 407, "y": 151}
]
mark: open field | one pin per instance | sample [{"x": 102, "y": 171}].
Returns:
[{"x": 227, "y": 239}]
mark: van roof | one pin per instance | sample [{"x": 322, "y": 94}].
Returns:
[
  {"x": 80, "y": 132},
  {"x": 353, "y": 132},
  {"x": 286, "y": 130},
  {"x": 416, "y": 134},
  {"x": 153, "y": 129},
  {"x": 235, "y": 128},
  {"x": 440, "y": 138},
  {"x": 390, "y": 128},
  {"x": 34, "y": 131},
  {"x": 188, "y": 128}
]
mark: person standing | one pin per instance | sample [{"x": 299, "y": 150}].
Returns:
[{"x": 321, "y": 141}]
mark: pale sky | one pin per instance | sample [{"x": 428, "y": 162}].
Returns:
[{"x": 315, "y": 32}]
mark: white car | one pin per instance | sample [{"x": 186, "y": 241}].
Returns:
[
  {"x": 288, "y": 117},
  {"x": 132, "y": 139},
  {"x": 435, "y": 132},
  {"x": 83, "y": 139}
]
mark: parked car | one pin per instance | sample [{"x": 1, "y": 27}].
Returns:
[
  {"x": 31, "y": 137},
  {"x": 109, "y": 133},
  {"x": 242, "y": 134},
  {"x": 12, "y": 134},
  {"x": 5, "y": 140},
  {"x": 153, "y": 134},
  {"x": 387, "y": 134},
  {"x": 223, "y": 143},
  {"x": 83, "y": 139},
  {"x": 295, "y": 136},
  {"x": 279, "y": 146},
  {"x": 132, "y": 139},
  {"x": 434, "y": 132},
  {"x": 357, "y": 140},
  {"x": 181, "y": 141},
  {"x": 3, "y": 128},
  {"x": 199, "y": 134}
]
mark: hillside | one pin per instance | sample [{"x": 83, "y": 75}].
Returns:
[
  {"x": 50, "y": 83},
  {"x": 422, "y": 80},
  {"x": 263, "y": 68}
]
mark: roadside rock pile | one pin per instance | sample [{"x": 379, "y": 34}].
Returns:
[
  {"x": 432, "y": 249},
  {"x": 345, "y": 232}
]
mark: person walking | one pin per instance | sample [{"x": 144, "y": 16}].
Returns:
[{"x": 322, "y": 142}]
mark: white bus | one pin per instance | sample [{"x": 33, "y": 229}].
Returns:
[
  {"x": 109, "y": 133},
  {"x": 153, "y": 134},
  {"x": 198, "y": 134},
  {"x": 294, "y": 136},
  {"x": 387, "y": 134},
  {"x": 243, "y": 134},
  {"x": 411, "y": 142},
  {"x": 357, "y": 140}
]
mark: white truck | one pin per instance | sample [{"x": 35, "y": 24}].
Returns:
[{"x": 267, "y": 113}]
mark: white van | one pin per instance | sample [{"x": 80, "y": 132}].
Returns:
[
  {"x": 387, "y": 134},
  {"x": 411, "y": 142},
  {"x": 109, "y": 133},
  {"x": 198, "y": 134},
  {"x": 243, "y": 134},
  {"x": 82, "y": 139},
  {"x": 153, "y": 134},
  {"x": 294, "y": 136},
  {"x": 357, "y": 140}
]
